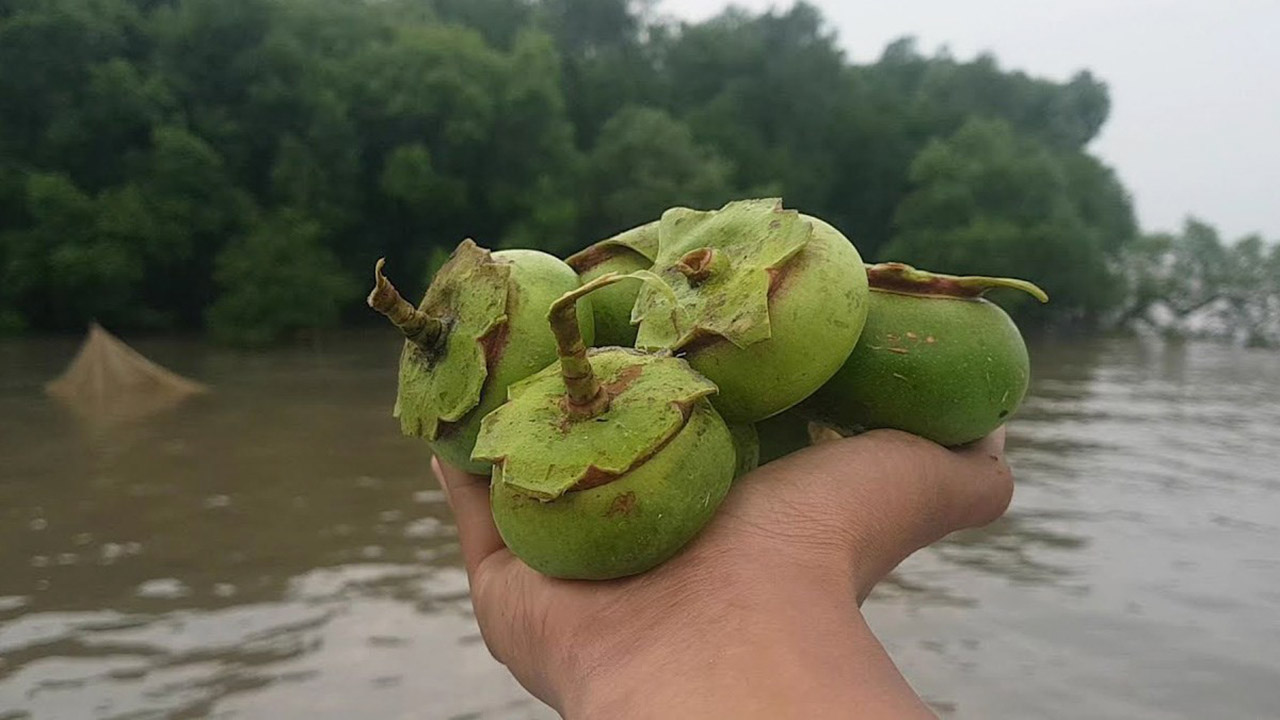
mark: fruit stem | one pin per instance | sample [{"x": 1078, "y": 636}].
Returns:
[
  {"x": 417, "y": 326},
  {"x": 586, "y": 397},
  {"x": 698, "y": 265}
]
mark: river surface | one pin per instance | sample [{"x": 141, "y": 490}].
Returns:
[{"x": 277, "y": 550}]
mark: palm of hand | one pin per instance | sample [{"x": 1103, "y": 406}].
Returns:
[{"x": 803, "y": 536}]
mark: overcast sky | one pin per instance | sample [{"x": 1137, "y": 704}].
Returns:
[{"x": 1195, "y": 85}]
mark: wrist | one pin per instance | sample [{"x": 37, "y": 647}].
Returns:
[{"x": 814, "y": 659}]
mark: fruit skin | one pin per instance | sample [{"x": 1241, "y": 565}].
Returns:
[
  {"x": 623, "y": 253},
  {"x": 816, "y": 306},
  {"x": 782, "y": 435},
  {"x": 518, "y": 345},
  {"x": 631, "y": 524},
  {"x": 816, "y": 315},
  {"x": 746, "y": 446},
  {"x": 944, "y": 368}
]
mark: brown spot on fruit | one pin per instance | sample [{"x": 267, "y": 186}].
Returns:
[
  {"x": 616, "y": 386},
  {"x": 930, "y": 340},
  {"x": 900, "y": 351},
  {"x": 623, "y": 504}
]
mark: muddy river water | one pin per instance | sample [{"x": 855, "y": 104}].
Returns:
[{"x": 277, "y": 550}]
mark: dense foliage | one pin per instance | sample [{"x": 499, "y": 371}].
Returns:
[{"x": 239, "y": 164}]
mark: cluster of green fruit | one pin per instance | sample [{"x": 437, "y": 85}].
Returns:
[{"x": 615, "y": 396}]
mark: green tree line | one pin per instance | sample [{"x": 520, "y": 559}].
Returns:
[{"x": 237, "y": 165}]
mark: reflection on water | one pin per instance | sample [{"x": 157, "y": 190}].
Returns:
[{"x": 275, "y": 549}]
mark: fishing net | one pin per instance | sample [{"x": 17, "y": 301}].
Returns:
[{"x": 109, "y": 377}]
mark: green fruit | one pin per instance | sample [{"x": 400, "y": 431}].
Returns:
[
  {"x": 480, "y": 327},
  {"x": 782, "y": 435},
  {"x": 628, "y": 525},
  {"x": 765, "y": 302},
  {"x": 935, "y": 359},
  {"x": 607, "y": 464},
  {"x": 746, "y": 446},
  {"x": 623, "y": 253}
]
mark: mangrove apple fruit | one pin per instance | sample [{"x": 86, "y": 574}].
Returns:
[
  {"x": 767, "y": 304},
  {"x": 935, "y": 359},
  {"x": 611, "y": 305},
  {"x": 606, "y": 464},
  {"x": 480, "y": 327}
]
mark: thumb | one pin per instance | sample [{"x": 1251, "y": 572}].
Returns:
[{"x": 878, "y": 497}]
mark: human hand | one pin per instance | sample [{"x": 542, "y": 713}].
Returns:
[{"x": 758, "y": 615}]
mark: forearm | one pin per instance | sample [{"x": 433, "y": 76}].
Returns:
[{"x": 804, "y": 662}]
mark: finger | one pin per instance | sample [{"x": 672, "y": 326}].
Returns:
[
  {"x": 981, "y": 491},
  {"x": 994, "y": 490},
  {"x": 933, "y": 491},
  {"x": 882, "y": 495},
  {"x": 468, "y": 497},
  {"x": 499, "y": 590}
]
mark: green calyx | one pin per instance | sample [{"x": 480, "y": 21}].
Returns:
[
  {"x": 608, "y": 462},
  {"x": 642, "y": 240},
  {"x": 443, "y": 368},
  {"x": 604, "y": 411},
  {"x": 630, "y": 524},
  {"x": 718, "y": 265},
  {"x": 649, "y": 398},
  {"x": 906, "y": 280}
]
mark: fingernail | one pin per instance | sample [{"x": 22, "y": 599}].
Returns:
[{"x": 438, "y": 472}]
